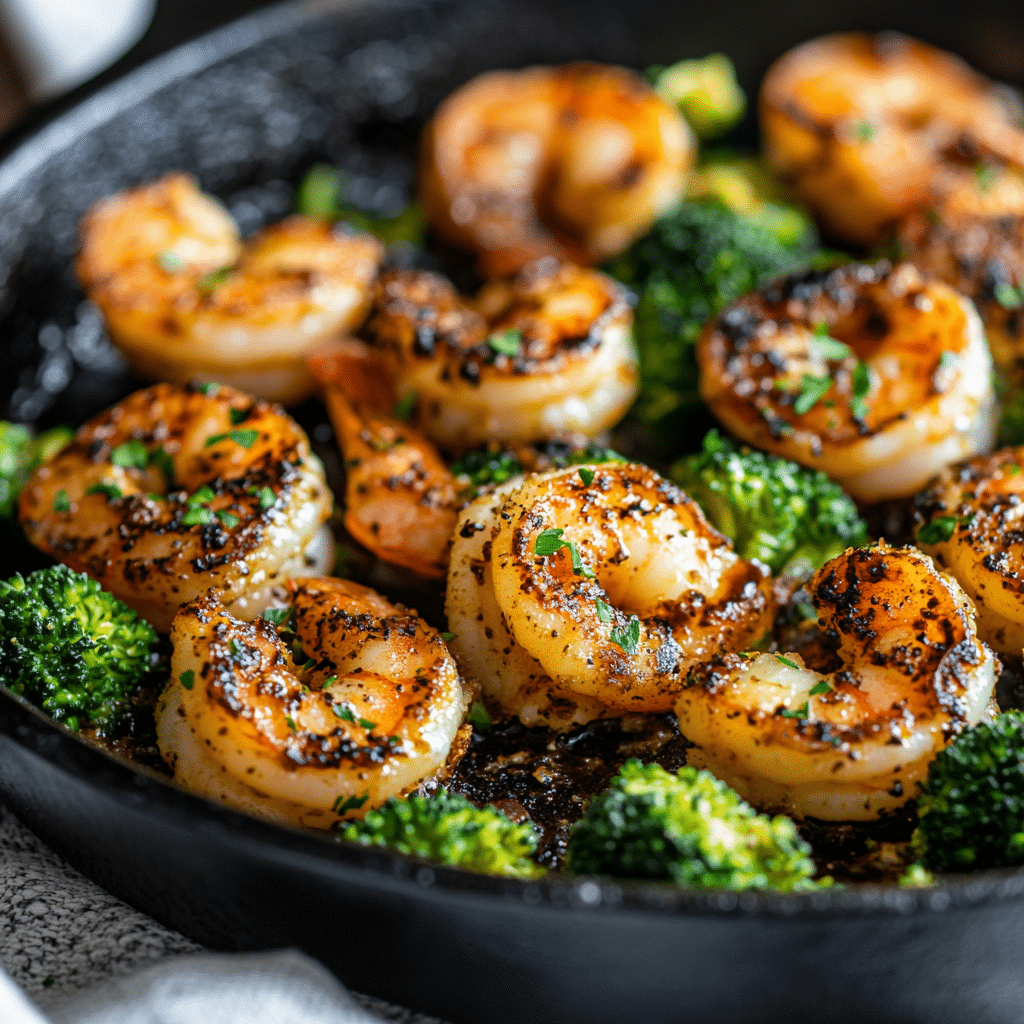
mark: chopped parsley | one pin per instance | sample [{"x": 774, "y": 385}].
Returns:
[
  {"x": 628, "y": 638},
  {"x": 819, "y": 688},
  {"x": 61, "y": 502},
  {"x": 278, "y": 616},
  {"x": 800, "y": 712},
  {"x": 864, "y": 131},
  {"x": 209, "y": 281},
  {"x": 205, "y": 494},
  {"x": 229, "y": 519},
  {"x": 938, "y": 531},
  {"x": 506, "y": 343},
  {"x": 197, "y": 515},
  {"x": 449, "y": 637},
  {"x": 365, "y": 723},
  {"x": 112, "y": 491},
  {"x": 788, "y": 662},
  {"x": 267, "y": 498},
  {"x": 130, "y": 455},
  {"x": 861, "y": 380},
  {"x": 478, "y": 717},
  {"x": 352, "y": 803},
  {"x": 549, "y": 542},
  {"x": 209, "y": 389},
  {"x": 344, "y": 712},
  {"x": 985, "y": 175},
  {"x": 238, "y": 416},
  {"x": 604, "y": 610},
  {"x": 828, "y": 347},
  {"x": 811, "y": 390},
  {"x": 187, "y": 678},
  {"x": 163, "y": 462},
  {"x": 245, "y": 438},
  {"x": 1007, "y": 296},
  {"x": 405, "y": 405},
  {"x": 586, "y": 475}
]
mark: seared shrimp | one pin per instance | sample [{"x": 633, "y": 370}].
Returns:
[
  {"x": 350, "y": 701},
  {"x": 871, "y": 373},
  {"x": 587, "y": 592},
  {"x": 549, "y": 354},
  {"x": 401, "y": 500},
  {"x": 184, "y": 299},
  {"x": 861, "y": 125},
  {"x": 177, "y": 491},
  {"x": 849, "y": 738},
  {"x": 971, "y": 520},
  {"x": 573, "y": 162}
]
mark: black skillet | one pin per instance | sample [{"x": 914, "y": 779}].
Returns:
[{"x": 248, "y": 109}]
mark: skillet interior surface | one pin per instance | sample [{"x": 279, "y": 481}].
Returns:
[{"x": 248, "y": 110}]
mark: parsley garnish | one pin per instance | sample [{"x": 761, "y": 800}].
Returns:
[
  {"x": 478, "y": 717},
  {"x": 586, "y": 475},
  {"x": 187, "y": 678},
  {"x": 861, "y": 380},
  {"x": 291, "y": 723},
  {"x": 938, "y": 531},
  {"x": 344, "y": 712},
  {"x": 267, "y": 498},
  {"x": 1007, "y": 296},
  {"x": 627, "y": 638},
  {"x": 210, "y": 281},
  {"x": 112, "y": 491},
  {"x": 130, "y": 455},
  {"x": 786, "y": 661},
  {"x": 246, "y": 438},
  {"x": 61, "y": 502},
  {"x": 604, "y": 610},
  {"x": 229, "y": 519},
  {"x": 205, "y": 494},
  {"x": 367, "y": 724},
  {"x": 163, "y": 462},
  {"x": 506, "y": 343},
  {"x": 812, "y": 388},
  {"x": 405, "y": 405},
  {"x": 864, "y": 130},
  {"x": 550, "y": 541},
  {"x": 209, "y": 390},
  {"x": 238, "y": 416},
  {"x": 449, "y": 637},
  {"x": 170, "y": 261},
  {"x": 278, "y": 616},
  {"x": 985, "y": 175},
  {"x": 828, "y": 347},
  {"x": 352, "y": 803},
  {"x": 197, "y": 515},
  {"x": 800, "y": 712},
  {"x": 819, "y": 688}
]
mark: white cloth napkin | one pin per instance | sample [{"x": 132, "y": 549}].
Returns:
[{"x": 76, "y": 955}]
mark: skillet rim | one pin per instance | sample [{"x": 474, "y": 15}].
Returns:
[{"x": 55, "y": 127}]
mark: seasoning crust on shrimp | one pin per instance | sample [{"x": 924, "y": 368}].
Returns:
[
  {"x": 573, "y": 162},
  {"x": 903, "y": 673},
  {"x": 863, "y": 125},
  {"x": 971, "y": 520},
  {"x": 869, "y": 372},
  {"x": 587, "y": 592},
  {"x": 184, "y": 298},
  {"x": 351, "y": 700},
  {"x": 179, "y": 490},
  {"x": 548, "y": 354}
]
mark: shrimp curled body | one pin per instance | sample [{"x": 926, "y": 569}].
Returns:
[
  {"x": 573, "y": 600},
  {"x": 843, "y": 740},
  {"x": 549, "y": 354},
  {"x": 176, "y": 491},
  {"x": 572, "y": 162},
  {"x": 869, "y": 372},
  {"x": 973, "y": 525},
  {"x": 864, "y": 126},
  {"x": 371, "y": 710},
  {"x": 185, "y": 299}
]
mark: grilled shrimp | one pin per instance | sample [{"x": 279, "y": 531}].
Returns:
[
  {"x": 350, "y": 701},
  {"x": 177, "y": 491},
  {"x": 587, "y": 592},
  {"x": 871, "y": 373},
  {"x": 862, "y": 125},
  {"x": 971, "y": 521},
  {"x": 849, "y": 738},
  {"x": 549, "y": 354},
  {"x": 401, "y": 500},
  {"x": 573, "y": 162},
  {"x": 184, "y": 299}
]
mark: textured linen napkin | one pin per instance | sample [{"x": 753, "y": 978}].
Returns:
[{"x": 80, "y": 956}]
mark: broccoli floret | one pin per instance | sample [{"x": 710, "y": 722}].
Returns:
[
  {"x": 695, "y": 260},
  {"x": 322, "y": 193},
  {"x": 792, "y": 519},
  {"x": 447, "y": 828},
  {"x": 705, "y": 91},
  {"x": 72, "y": 648},
  {"x": 20, "y": 454},
  {"x": 972, "y": 804},
  {"x": 687, "y": 828}
]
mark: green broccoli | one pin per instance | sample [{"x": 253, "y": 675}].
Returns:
[
  {"x": 690, "y": 829},
  {"x": 447, "y": 828},
  {"x": 695, "y": 260},
  {"x": 20, "y": 454},
  {"x": 705, "y": 91},
  {"x": 72, "y": 648},
  {"x": 792, "y": 519},
  {"x": 321, "y": 194},
  {"x": 972, "y": 804}
]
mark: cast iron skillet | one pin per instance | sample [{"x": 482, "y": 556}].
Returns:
[{"x": 248, "y": 109}]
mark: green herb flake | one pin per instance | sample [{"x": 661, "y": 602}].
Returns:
[
  {"x": 549, "y": 542},
  {"x": 210, "y": 389},
  {"x": 811, "y": 390},
  {"x": 267, "y": 498},
  {"x": 208, "y": 282},
  {"x": 365, "y": 723},
  {"x": 938, "y": 531},
  {"x": 985, "y": 175},
  {"x": 61, "y": 502},
  {"x": 187, "y": 679},
  {"x": 170, "y": 261},
  {"x": 111, "y": 491},
  {"x": 449, "y": 637},
  {"x": 820, "y": 688},
  {"x": 163, "y": 462},
  {"x": 245, "y": 438},
  {"x": 344, "y": 712},
  {"x": 506, "y": 343},
  {"x": 861, "y": 380},
  {"x": 406, "y": 405},
  {"x": 586, "y": 475},
  {"x": 229, "y": 519},
  {"x": 238, "y": 415},
  {"x": 864, "y": 131},
  {"x": 628, "y": 638},
  {"x": 204, "y": 495},
  {"x": 604, "y": 610},
  {"x": 278, "y": 616},
  {"x": 1010, "y": 468},
  {"x": 1007, "y": 296},
  {"x": 291, "y": 723},
  {"x": 130, "y": 455},
  {"x": 197, "y": 516},
  {"x": 352, "y": 803},
  {"x": 788, "y": 662},
  {"x": 478, "y": 717},
  {"x": 800, "y": 712},
  {"x": 828, "y": 347}
]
